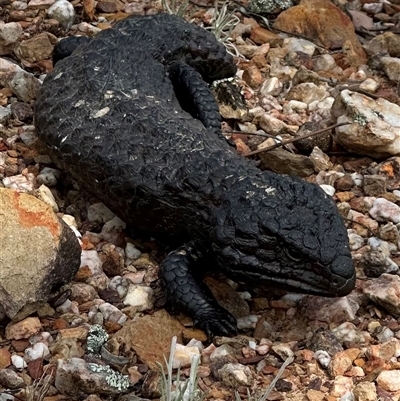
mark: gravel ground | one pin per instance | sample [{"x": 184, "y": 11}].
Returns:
[{"x": 101, "y": 337}]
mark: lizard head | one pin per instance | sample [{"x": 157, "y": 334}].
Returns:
[{"x": 283, "y": 232}]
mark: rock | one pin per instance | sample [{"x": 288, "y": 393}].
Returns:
[
  {"x": 385, "y": 292},
  {"x": 283, "y": 162},
  {"x": 29, "y": 225},
  {"x": 340, "y": 386},
  {"x": 184, "y": 355},
  {"x": 362, "y": 223},
  {"x": 141, "y": 297},
  {"x": 323, "y": 23},
  {"x": 336, "y": 311},
  {"x": 5, "y": 113},
  {"x": 308, "y": 92},
  {"x": 374, "y": 185},
  {"x": 388, "y": 43},
  {"x": 365, "y": 391},
  {"x": 260, "y": 36},
  {"x": 112, "y": 314},
  {"x": 48, "y": 176},
  {"x": 23, "y": 329},
  {"x": 44, "y": 194},
  {"x": 92, "y": 378},
  {"x": 275, "y": 126},
  {"x": 340, "y": 364},
  {"x": 18, "y": 362},
  {"x": 150, "y": 337},
  {"x": 391, "y": 66},
  {"x": 389, "y": 380},
  {"x": 252, "y": 76},
  {"x": 384, "y": 210},
  {"x": 369, "y": 85},
  {"x": 37, "y": 48},
  {"x": 21, "y": 111},
  {"x": 269, "y": 7},
  {"x": 63, "y": 11},
  {"x": 350, "y": 333},
  {"x": 355, "y": 240},
  {"x": 9, "y": 36},
  {"x": 40, "y": 4},
  {"x": 5, "y": 358},
  {"x": 227, "y": 297},
  {"x": 389, "y": 232},
  {"x": 235, "y": 375},
  {"x": 377, "y": 260},
  {"x": 324, "y": 62},
  {"x": 98, "y": 212},
  {"x": 374, "y": 128},
  {"x": 23, "y": 84},
  {"x": 38, "y": 350},
  {"x": 223, "y": 351},
  {"x": 81, "y": 293},
  {"x": 10, "y": 379}
]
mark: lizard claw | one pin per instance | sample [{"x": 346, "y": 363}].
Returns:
[{"x": 216, "y": 322}]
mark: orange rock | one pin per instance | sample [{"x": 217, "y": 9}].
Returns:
[
  {"x": 23, "y": 329},
  {"x": 260, "y": 36},
  {"x": 252, "y": 76},
  {"x": 5, "y": 358},
  {"x": 325, "y": 24}
]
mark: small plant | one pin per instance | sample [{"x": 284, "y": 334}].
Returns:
[
  {"x": 171, "y": 7},
  {"x": 222, "y": 24},
  {"x": 179, "y": 390},
  {"x": 38, "y": 390}
]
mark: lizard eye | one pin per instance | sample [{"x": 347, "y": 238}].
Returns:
[{"x": 293, "y": 254}]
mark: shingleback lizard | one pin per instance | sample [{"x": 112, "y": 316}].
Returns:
[{"x": 130, "y": 117}]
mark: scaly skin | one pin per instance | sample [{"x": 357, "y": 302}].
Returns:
[{"x": 111, "y": 118}]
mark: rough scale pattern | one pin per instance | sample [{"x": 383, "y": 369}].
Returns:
[{"x": 111, "y": 118}]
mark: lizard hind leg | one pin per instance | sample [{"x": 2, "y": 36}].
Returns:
[
  {"x": 185, "y": 292},
  {"x": 194, "y": 95}
]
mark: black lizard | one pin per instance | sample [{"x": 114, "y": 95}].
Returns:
[{"x": 112, "y": 116}]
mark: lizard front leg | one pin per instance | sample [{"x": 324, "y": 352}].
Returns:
[{"x": 184, "y": 291}]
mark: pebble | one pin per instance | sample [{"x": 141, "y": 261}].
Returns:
[
  {"x": 235, "y": 374},
  {"x": 140, "y": 296},
  {"x": 365, "y": 391},
  {"x": 355, "y": 240},
  {"x": 38, "y": 350},
  {"x": 384, "y": 291},
  {"x": 48, "y": 176},
  {"x": 44, "y": 194},
  {"x": 384, "y": 210},
  {"x": 18, "y": 362},
  {"x": 389, "y": 380},
  {"x": 323, "y": 358},
  {"x": 20, "y": 183},
  {"x": 10, "y": 379},
  {"x": 119, "y": 284},
  {"x": 64, "y": 12},
  {"x": 328, "y": 189},
  {"x": 184, "y": 355},
  {"x": 272, "y": 86},
  {"x": 23, "y": 329},
  {"x": 112, "y": 313},
  {"x": 99, "y": 213}
]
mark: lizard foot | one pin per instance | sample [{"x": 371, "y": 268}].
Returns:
[{"x": 215, "y": 321}]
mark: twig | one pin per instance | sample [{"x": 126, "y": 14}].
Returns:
[
  {"x": 263, "y": 134},
  {"x": 276, "y": 145},
  {"x": 287, "y": 362}
]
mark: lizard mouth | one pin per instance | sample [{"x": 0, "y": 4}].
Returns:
[
  {"x": 342, "y": 286},
  {"x": 332, "y": 286}
]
